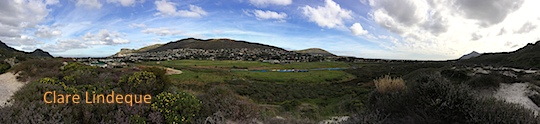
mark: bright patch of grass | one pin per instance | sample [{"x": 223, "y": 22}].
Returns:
[{"x": 387, "y": 84}]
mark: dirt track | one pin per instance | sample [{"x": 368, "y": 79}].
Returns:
[{"x": 8, "y": 86}]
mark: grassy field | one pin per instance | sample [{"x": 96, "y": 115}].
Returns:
[
  {"x": 229, "y": 64},
  {"x": 317, "y": 93},
  {"x": 205, "y": 71}
]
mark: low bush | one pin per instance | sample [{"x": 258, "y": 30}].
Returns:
[
  {"x": 387, "y": 84},
  {"x": 180, "y": 107},
  {"x": 33, "y": 69},
  {"x": 4, "y": 66},
  {"x": 221, "y": 99},
  {"x": 485, "y": 82},
  {"x": 141, "y": 83}
]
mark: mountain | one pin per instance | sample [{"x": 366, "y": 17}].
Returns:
[
  {"x": 40, "y": 53},
  {"x": 211, "y": 44},
  {"x": 316, "y": 51},
  {"x": 470, "y": 55},
  {"x": 6, "y": 47},
  {"x": 8, "y": 52},
  {"x": 126, "y": 51},
  {"x": 525, "y": 57}
]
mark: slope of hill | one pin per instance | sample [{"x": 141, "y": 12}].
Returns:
[
  {"x": 126, "y": 51},
  {"x": 8, "y": 52},
  {"x": 211, "y": 44},
  {"x": 470, "y": 55},
  {"x": 315, "y": 51},
  {"x": 40, "y": 53},
  {"x": 526, "y": 57}
]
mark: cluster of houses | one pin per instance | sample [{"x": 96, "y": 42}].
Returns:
[{"x": 245, "y": 54}]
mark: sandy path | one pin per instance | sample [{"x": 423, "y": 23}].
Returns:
[
  {"x": 516, "y": 93},
  {"x": 171, "y": 71},
  {"x": 8, "y": 86}
]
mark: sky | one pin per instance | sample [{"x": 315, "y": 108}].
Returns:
[{"x": 386, "y": 29}]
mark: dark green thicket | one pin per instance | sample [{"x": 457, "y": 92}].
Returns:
[
  {"x": 223, "y": 101},
  {"x": 4, "y": 66}
]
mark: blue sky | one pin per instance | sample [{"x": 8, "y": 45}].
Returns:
[{"x": 388, "y": 29}]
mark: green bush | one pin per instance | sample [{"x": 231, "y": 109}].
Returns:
[
  {"x": 33, "y": 69},
  {"x": 485, "y": 82},
  {"x": 233, "y": 106},
  {"x": 141, "y": 83},
  {"x": 178, "y": 107},
  {"x": 4, "y": 66}
]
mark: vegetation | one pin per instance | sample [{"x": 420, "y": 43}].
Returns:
[
  {"x": 213, "y": 92},
  {"x": 387, "y": 84},
  {"x": 255, "y": 65},
  {"x": 434, "y": 99},
  {"x": 4, "y": 66},
  {"x": 179, "y": 107}
]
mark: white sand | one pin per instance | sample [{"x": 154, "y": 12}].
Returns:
[
  {"x": 516, "y": 93},
  {"x": 8, "y": 86},
  {"x": 171, "y": 71}
]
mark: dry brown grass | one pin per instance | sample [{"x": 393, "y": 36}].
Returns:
[{"x": 387, "y": 84}]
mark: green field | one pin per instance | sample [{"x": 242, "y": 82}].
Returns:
[
  {"x": 205, "y": 71},
  {"x": 228, "y": 64}
]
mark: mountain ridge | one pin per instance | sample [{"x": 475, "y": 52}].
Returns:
[
  {"x": 12, "y": 51},
  {"x": 222, "y": 43},
  {"x": 315, "y": 51},
  {"x": 525, "y": 57}
]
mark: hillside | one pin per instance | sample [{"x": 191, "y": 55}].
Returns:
[
  {"x": 8, "y": 52},
  {"x": 126, "y": 51},
  {"x": 526, "y": 57},
  {"x": 211, "y": 44},
  {"x": 316, "y": 51},
  {"x": 470, "y": 55}
]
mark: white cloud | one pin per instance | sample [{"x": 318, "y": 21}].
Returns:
[
  {"x": 162, "y": 31},
  {"x": 89, "y": 3},
  {"x": 447, "y": 30},
  {"x": 264, "y": 3},
  {"x": 104, "y": 37},
  {"x": 64, "y": 45},
  {"x": 47, "y": 32},
  {"x": 330, "y": 16},
  {"x": 22, "y": 40},
  {"x": 264, "y": 15},
  {"x": 51, "y": 2},
  {"x": 135, "y": 25},
  {"x": 125, "y": 2},
  {"x": 166, "y": 8},
  {"x": 357, "y": 29},
  {"x": 18, "y": 16}
]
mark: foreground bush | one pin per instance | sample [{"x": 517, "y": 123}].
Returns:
[
  {"x": 180, "y": 107},
  {"x": 223, "y": 100},
  {"x": 4, "y": 66},
  {"x": 433, "y": 99},
  {"x": 37, "y": 68}
]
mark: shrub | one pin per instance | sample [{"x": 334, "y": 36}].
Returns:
[
  {"x": 387, "y": 84},
  {"x": 233, "y": 106},
  {"x": 4, "y": 66},
  {"x": 142, "y": 83},
  {"x": 178, "y": 107},
  {"x": 485, "y": 82},
  {"x": 37, "y": 68}
]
